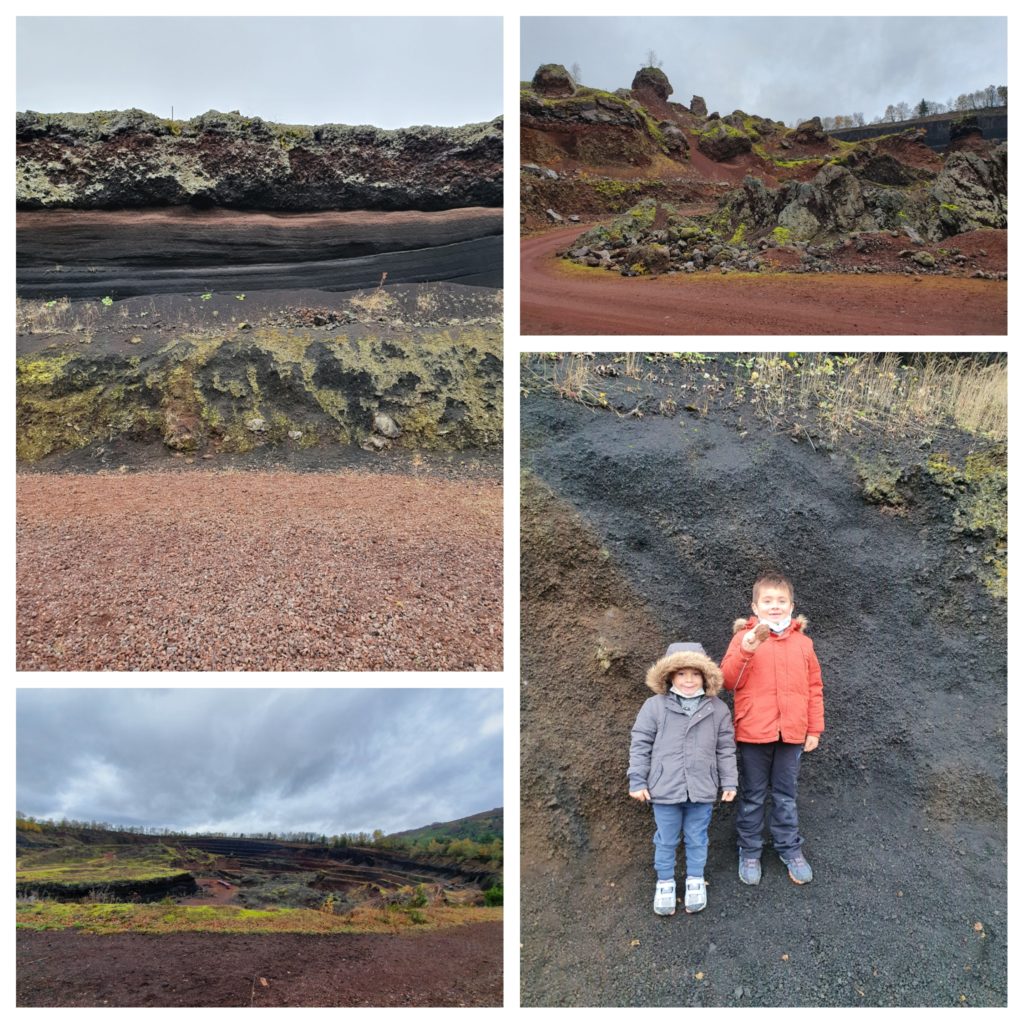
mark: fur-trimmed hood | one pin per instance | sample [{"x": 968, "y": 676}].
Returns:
[
  {"x": 799, "y": 622},
  {"x": 659, "y": 675}
]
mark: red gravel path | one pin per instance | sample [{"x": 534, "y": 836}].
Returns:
[
  {"x": 453, "y": 967},
  {"x": 557, "y": 298},
  {"x": 268, "y": 571}
]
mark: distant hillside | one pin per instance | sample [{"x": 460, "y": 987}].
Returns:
[{"x": 481, "y": 828}]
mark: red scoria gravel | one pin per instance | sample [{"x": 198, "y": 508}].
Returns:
[{"x": 267, "y": 571}]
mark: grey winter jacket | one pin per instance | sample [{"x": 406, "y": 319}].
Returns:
[{"x": 678, "y": 757}]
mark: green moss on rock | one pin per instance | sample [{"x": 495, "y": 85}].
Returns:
[{"x": 443, "y": 388}]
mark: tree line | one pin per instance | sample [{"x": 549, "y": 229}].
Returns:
[
  {"x": 990, "y": 96},
  {"x": 488, "y": 847}
]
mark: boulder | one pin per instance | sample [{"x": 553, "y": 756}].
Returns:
[
  {"x": 722, "y": 142},
  {"x": 971, "y": 191},
  {"x": 649, "y": 259},
  {"x": 385, "y": 425},
  {"x": 831, "y": 203},
  {"x": 553, "y": 80},
  {"x": 652, "y": 80},
  {"x": 698, "y": 106},
  {"x": 675, "y": 141},
  {"x": 810, "y": 131}
]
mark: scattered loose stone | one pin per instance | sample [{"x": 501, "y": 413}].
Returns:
[{"x": 385, "y": 425}]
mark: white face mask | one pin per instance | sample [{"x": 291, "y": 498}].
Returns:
[
  {"x": 777, "y": 627},
  {"x": 696, "y": 693}
]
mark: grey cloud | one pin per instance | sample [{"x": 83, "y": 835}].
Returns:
[{"x": 246, "y": 759}]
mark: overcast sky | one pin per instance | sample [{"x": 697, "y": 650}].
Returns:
[
  {"x": 781, "y": 68},
  {"x": 239, "y": 760},
  {"x": 388, "y": 72}
]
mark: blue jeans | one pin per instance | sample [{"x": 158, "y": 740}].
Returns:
[
  {"x": 692, "y": 820},
  {"x": 764, "y": 768}
]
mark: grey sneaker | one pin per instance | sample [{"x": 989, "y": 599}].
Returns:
[
  {"x": 696, "y": 895},
  {"x": 750, "y": 870},
  {"x": 799, "y": 870},
  {"x": 665, "y": 898}
]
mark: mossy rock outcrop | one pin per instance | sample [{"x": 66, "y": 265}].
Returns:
[
  {"x": 869, "y": 189},
  {"x": 653, "y": 80},
  {"x": 553, "y": 80},
  {"x": 970, "y": 191},
  {"x": 122, "y": 159},
  {"x": 114, "y": 891},
  {"x": 592, "y": 126},
  {"x": 721, "y": 141},
  {"x": 214, "y": 393}
]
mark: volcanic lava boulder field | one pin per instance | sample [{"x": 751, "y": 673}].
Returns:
[
  {"x": 655, "y": 490},
  {"x": 678, "y": 191}
]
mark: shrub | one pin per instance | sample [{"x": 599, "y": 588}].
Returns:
[{"x": 494, "y": 897}]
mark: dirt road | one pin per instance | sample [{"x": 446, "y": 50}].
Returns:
[
  {"x": 258, "y": 571},
  {"x": 560, "y": 298},
  {"x": 453, "y": 967}
]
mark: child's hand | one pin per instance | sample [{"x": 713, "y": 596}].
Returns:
[
  {"x": 755, "y": 637},
  {"x": 728, "y": 795},
  {"x": 810, "y": 743},
  {"x": 642, "y": 795}
]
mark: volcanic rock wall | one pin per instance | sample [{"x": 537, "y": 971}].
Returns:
[
  {"x": 938, "y": 130},
  {"x": 120, "y": 159}
]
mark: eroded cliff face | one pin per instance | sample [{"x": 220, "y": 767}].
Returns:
[
  {"x": 126, "y": 159},
  {"x": 292, "y": 378}
]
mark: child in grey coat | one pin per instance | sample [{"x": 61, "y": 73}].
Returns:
[{"x": 682, "y": 752}]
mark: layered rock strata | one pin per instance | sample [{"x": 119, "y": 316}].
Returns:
[{"x": 126, "y": 159}]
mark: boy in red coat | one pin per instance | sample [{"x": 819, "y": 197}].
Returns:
[{"x": 779, "y": 714}]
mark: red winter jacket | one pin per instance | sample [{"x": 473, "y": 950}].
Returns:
[{"x": 778, "y": 687}]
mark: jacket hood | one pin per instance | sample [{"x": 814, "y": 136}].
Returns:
[
  {"x": 799, "y": 623},
  {"x": 659, "y": 675}
]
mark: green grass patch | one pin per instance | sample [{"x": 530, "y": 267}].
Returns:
[
  {"x": 159, "y": 919},
  {"x": 111, "y": 864}
]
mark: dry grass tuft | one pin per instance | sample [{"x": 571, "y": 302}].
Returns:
[
  {"x": 376, "y": 302},
  {"x": 890, "y": 393},
  {"x": 156, "y": 918}
]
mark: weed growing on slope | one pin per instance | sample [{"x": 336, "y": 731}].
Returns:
[{"x": 149, "y": 918}]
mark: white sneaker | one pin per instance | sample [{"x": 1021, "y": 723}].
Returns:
[
  {"x": 665, "y": 898},
  {"x": 696, "y": 895}
]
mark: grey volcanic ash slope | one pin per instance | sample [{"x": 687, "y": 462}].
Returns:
[{"x": 648, "y": 527}]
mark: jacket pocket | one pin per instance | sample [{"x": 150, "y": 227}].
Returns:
[{"x": 656, "y": 774}]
